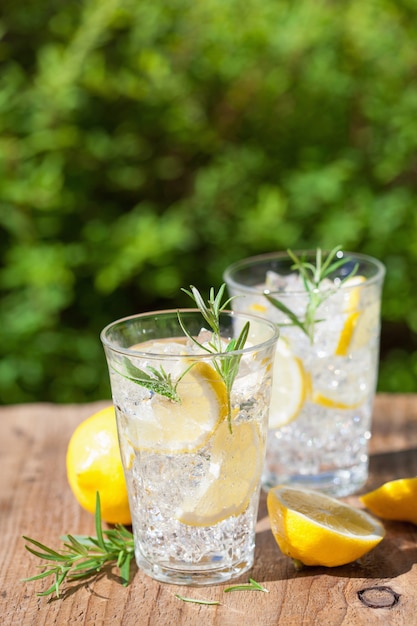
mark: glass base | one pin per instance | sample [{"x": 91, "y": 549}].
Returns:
[
  {"x": 337, "y": 483},
  {"x": 193, "y": 575}
]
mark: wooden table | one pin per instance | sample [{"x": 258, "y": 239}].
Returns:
[{"x": 36, "y": 501}]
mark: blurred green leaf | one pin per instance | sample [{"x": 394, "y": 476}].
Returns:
[{"x": 145, "y": 146}]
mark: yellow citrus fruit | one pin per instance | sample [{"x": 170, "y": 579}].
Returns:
[
  {"x": 395, "y": 500},
  {"x": 346, "y": 335},
  {"x": 332, "y": 402},
  {"x": 94, "y": 464},
  {"x": 353, "y": 312},
  {"x": 258, "y": 308},
  {"x": 290, "y": 386},
  {"x": 170, "y": 427},
  {"x": 315, "y": 529},
  {"x": 360, "y": 322},
  {"x": 235, "y": 470}
]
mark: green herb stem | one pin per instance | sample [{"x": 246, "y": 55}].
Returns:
[
  {"x": 312, "y": 275},
  {"x": 84, "y": 556}
]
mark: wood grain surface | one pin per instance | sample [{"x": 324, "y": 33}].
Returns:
[{"x": 35, "y": 500}]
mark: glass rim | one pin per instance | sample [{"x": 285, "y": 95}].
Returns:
[
  {"x": 198, "y": 356},
  {"x": 259, "y": 259}
]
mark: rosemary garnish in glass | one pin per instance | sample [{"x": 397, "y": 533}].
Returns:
[
  {"x": 313, "y": 275},
  {"x": 84, "y": 556},
  {"x": 225, "y": 363}
]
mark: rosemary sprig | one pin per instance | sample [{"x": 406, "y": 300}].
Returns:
[
  {"x": 251, "y": 586},
  {"x": 84, "y": 556},
  {"x": 227, "y": 366},
  {"x": 161, "y": 382},
  {"x": 313, "y": 274},
  {"x": 196, "y": 601}
]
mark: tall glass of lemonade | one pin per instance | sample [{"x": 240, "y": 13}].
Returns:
[
  {"x": 192, "y": 409},
  {"x": 327, "y": 306}
]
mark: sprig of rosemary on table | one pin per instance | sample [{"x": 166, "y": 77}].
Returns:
[
  {"x": 252, "y": 585},
  {"x": 227, "y": 366},
  {"x": 84, "y": 556},
  {"x": 313, "y": 274}
]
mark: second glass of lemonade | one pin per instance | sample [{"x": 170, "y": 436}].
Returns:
[
  {"x": 326, "y": 363},
  {"x": 192, "y": 426}
]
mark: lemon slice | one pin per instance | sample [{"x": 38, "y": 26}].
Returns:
[
  {"x": 258, "y": 308},
  {"x": 395, "y": 500},
  {"x": 316, "y": 529},
  {"x": 354, "y": 283},
  {"x": 290, "y": 386},
  {"x": 359, "y": 324},
  {"x": 234, "y": 473},
  {"x": 333, "y": 403},
  {"x": 353, "y": 314},
  {"x": 169, "y": 427}
]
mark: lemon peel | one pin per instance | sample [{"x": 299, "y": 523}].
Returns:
[
  {"x": 394, "y": 500},
  {"x": 236, "y": 465},
  {"x": 93, "y": 463},
  {"x": 315, "y": 529}
]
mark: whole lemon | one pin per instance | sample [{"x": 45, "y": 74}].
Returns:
[{"x": 94, "y": 464}]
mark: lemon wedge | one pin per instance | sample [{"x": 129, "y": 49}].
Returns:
[
  {"x": 234, "y": 474},
  {"x": 169, "y": 427},
  {"x": 394, "y": 500},
  {"x": 315, "y": 529},
  {"x": 290, "y": 386}
]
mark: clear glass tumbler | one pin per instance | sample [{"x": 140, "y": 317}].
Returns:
[
  {"x": 192, "y": 429},
  {"x": 326, "y": 365}
]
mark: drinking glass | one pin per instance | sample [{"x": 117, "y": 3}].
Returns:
[
  {"x": 325, "y": 368},
  {"x": 192, "y": 428}
]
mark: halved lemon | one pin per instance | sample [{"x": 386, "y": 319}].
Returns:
[
  {"x": 394, "y": 500},
  {"x": 290, "y": 386},
  {"x": 168, "y": 427},
  {"x": 235, "y": 469},
  {"x": 315, "y": 529}
]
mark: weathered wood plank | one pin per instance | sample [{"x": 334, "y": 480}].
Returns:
[{"x": 35, "y": 500}]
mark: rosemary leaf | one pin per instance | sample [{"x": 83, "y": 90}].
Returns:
[
  {"x": 83, "y": 556},
  {"x": 193, "y": 600},
  {"x": 251, "y": 586}
]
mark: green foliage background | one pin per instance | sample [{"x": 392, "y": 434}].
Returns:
[{"x": 146, "y": 145}]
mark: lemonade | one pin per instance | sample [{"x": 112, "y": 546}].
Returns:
[
  {"x": 325, "y": 368},
  {"x": 193, "y": 454}
]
